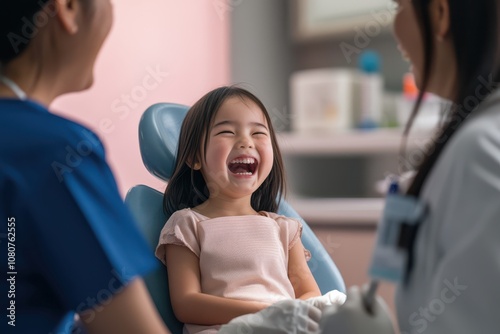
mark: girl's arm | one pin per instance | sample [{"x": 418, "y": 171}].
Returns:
[
  {"x": 300, "y": 275},
  {"x": 192, "y": 306}
]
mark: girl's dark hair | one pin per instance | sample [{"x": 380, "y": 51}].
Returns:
[
  {"x": 474, "y": 28},
  {"x": 187, "y": 187}
]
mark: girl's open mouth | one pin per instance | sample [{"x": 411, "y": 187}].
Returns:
[{"x": 243, "y": 166}]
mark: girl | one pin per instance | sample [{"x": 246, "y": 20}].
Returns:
[{"x": 226, "y": 251}]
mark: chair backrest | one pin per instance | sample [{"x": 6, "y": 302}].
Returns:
[{"x": 159, "y": 130}]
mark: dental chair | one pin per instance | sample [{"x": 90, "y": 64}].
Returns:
[{"x": 159, "y": 130}]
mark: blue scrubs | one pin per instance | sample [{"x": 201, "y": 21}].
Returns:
[{"x": 67, "y": 241}]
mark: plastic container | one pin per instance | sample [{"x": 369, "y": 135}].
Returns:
[
  {"x": 371, "y": 91},
  {"x": 322, "y": 100}
]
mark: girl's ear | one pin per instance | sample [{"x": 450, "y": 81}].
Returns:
[
  {"x": 195, "y": 166},
  {"x": 440, "y": 15},
  {"x": 67, "y": 14}
]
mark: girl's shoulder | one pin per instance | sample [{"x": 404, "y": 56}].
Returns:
[
  {"x": 290, "y": 228},
  {"x": 185, "y": 215},
  {"x": 280, "y": 219},
  {"x": 184, "y": 221}
]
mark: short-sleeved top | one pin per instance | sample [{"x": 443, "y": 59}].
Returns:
[
  {"x": 240, "y": 257},
  {"x": 71, "y": 241},
  {"x": 454, "y": 286}
]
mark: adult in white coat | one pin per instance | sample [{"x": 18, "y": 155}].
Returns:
[
  {"x": 450, "y": 279},
  {"x": 450, "y": 283}
]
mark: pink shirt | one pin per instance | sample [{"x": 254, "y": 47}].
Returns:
[{"x": 241, "y": 257}]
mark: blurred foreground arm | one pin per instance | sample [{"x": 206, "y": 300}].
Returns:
[{"x": 130, "y": 311}]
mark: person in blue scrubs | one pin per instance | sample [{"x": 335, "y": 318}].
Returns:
[{"x": 67, "y": 242}]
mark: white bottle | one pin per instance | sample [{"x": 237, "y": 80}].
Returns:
[{"x": 371, "y": 90}]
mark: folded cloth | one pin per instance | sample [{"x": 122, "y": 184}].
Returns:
[{"x": 330, "y": 298}]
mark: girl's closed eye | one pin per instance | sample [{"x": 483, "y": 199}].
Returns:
[
  {"x": 225, "y": 132},
  {"x": 260, "y": 133}
]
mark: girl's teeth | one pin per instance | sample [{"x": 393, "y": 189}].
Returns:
[{"x": 243, "y": 161}]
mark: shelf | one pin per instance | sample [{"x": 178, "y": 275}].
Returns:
[
  {"x": 321, "y": 19},
  {"x": 348, "y": 142},
  {"x": 339, "y": 211}
]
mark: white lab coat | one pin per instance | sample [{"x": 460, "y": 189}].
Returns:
[{"x": 455, "y": 283}]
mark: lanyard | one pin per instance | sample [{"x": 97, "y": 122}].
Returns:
[
  {"x": 14, "y": 88},
  {"x": 392, "y": 258}
]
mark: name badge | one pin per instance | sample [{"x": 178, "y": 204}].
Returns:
[{"x": 396, "y": 233}]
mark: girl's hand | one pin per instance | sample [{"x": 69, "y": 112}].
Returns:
[
  {"x": 259, "y": 306},
  {"x": 330, "y": 298},
  {"x": 291, "y": 316}
]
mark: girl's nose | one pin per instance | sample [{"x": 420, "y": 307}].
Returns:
[{"x": 245, "y": 143}]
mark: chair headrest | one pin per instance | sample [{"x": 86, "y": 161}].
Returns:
[{"x": 159, "y": 130}]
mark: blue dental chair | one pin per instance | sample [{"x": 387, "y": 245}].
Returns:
[{"x": 159, "y": 130}]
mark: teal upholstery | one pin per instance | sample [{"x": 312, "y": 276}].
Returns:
[{"x": 159, "y": 130}]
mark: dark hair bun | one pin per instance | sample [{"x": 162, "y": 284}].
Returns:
[{"x": 19, "y": 22}]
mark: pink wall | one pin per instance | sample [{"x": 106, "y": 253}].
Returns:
[{"x": 157, "y": 51}]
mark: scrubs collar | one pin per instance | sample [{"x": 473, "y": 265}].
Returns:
[{"x": 14, "y": 87}]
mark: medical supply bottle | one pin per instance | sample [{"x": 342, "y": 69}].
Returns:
[
  {"x": 430, "y": 110},
  {"x": 371, "y": 90}
]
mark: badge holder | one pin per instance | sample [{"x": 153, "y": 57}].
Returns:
[{"x": 396, "y": 233}]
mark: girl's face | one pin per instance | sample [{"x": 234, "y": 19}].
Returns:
[
  {"x": 409, "y": 38},
  {"x": 239, "y": 154}
]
